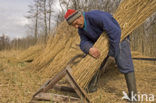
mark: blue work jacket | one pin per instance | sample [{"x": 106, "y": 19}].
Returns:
[{"x": 95, "y": 23}]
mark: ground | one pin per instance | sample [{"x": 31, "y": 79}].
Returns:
[{"x": 17, "y": 84}]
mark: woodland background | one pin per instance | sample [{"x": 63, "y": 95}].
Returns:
[{"x": 45, "y": 19}]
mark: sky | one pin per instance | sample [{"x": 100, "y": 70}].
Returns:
[{"x": 12, "y": 17}]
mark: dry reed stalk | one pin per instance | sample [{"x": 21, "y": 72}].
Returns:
[
  {"x": 130, "y": 15},
  {"x": 56, "y": 51},
  {"x": 29, "y": 54},
  {"x": 62, "y": 58}
]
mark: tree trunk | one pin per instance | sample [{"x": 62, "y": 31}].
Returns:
[
  {"x": 49, "y": 22},
  {"x": 36, "y": 23},
  {"x": 50, "y": 2},
  {"x": 45, "y": 22}
]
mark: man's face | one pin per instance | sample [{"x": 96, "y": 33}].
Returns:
[{"x": 79, "y": 22}]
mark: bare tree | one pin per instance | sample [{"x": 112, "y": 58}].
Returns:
[
  {"x": 45, "y": 19},
  {"x": 76, "y": 4},
  {"x": 50, "y": 2},
  {"x": 4, "y": 42},
  {"x": 33, "y": 14},
  {"x": 36, "y": 18},
  {"x": 64, "y": 5}
]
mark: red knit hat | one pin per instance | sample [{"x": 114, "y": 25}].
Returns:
[{"x": 72, "y": 15}]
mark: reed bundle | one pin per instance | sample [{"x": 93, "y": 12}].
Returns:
[
  {"x": 58, "y": 51},
  {"x": 30, "y": 53}
]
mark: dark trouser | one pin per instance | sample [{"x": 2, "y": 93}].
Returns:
[
  {"x": 125, "y": 65},
  {"x": 124, "y": 59}
]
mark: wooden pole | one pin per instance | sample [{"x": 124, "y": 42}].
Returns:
[{"x": 56, "y": 98}]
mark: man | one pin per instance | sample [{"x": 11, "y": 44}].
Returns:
[{"x": 90, "y": 26}]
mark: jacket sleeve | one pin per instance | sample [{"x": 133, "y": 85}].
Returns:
[
  {"x": 112, "y": 28},
  {"x": 85, "y": 43},
  {"x": 114, "y": 34}
]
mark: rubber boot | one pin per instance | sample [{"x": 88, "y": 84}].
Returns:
[{"x": 131, "y": 85}]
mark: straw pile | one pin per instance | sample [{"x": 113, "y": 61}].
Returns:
[
  {"x": 58, "y": 51},
  {"x": 130, "y": 14},
  {"x": 27, "y": 55}
]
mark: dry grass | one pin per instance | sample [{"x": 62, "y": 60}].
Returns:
[
  {"x": 112, "y": 83},
  {"x": 18, "y": 85},
  {"x": 31, "y": 53},
  {"x": 24, "y": 55}
]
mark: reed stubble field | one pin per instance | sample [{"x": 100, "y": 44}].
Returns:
[{"x": 17, "y": 85}]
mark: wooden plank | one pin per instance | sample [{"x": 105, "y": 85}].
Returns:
[
  {"x": 55, "y": 80},
  {"x": 82, "y": 94},
  {"x": 56, "y": 98},
  {"x": 64, "y": 88},
  {"x": 50, "y": 83}
]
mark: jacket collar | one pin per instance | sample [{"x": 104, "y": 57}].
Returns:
[{"x": 85, "y": 23}]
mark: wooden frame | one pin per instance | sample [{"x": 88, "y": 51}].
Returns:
[{"x": 41, "y": 94}]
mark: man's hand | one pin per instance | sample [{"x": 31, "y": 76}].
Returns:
[{"x": 94, "y": 52}]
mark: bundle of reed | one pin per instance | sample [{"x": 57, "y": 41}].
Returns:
[
  {"x": 58, "y": 51},
  {"x": 30, "y": 53},
  {"x": 130, "y": 14}
]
